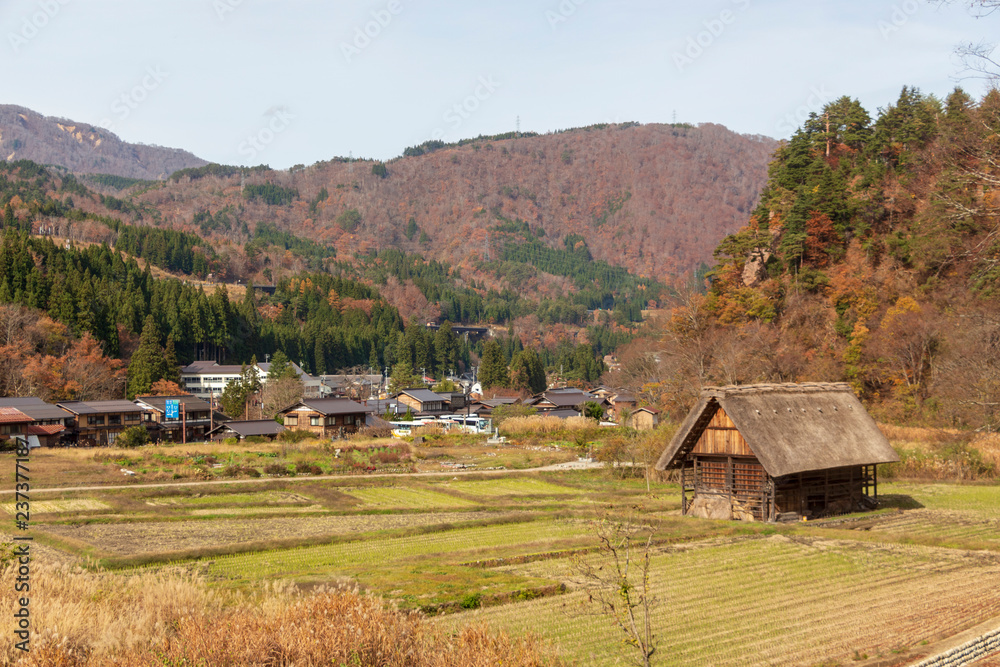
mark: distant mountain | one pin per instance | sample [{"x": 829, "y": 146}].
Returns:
[
  {"x": 653, "y": 199},
  {"x": 84, "y": 148}
]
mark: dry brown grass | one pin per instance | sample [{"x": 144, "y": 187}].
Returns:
[
  {"x": 988, "y": 445},
  {"x": 536, "y": 424},
  {"x": 918, "y": 437},
  {"x": 82, "y": 619}
]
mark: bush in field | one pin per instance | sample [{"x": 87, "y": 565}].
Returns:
[
  {"x": 275, "y": 469},
  {"x": 387, "y": 457},
  {"x": 133, "y": 436},
  {"x": 177, "y": 620},
  {"x": 295, "y": 435},
  {"x": 237, "y": 470},
  {"x": 256, "y": 440}
]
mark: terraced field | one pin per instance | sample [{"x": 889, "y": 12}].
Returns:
[
  {"x": 128, "y": 539},
  {"x": 773, "y": 601},
  {"x": 61, "y": 506},
  {"x": 402, "y": 497},
  {"x": 257, "y": 499},
  {"x": 958, "y": 528},
  {"x": 517, "y": 486},
  {"x": 453, "y": 546}
]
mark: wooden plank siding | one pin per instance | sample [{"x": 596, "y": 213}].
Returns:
[{"x": 722, "y": 437}]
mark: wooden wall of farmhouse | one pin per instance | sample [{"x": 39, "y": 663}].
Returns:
[{"x": 722, "y": 437}]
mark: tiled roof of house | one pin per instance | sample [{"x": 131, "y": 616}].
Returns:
[{"x": 13, "y": 416}]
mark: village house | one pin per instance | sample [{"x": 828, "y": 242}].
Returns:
[
  {"x": 560, "y": 402},
  {"x": 777, "y": 452},
  {"x": 48, "y": 422},
  {"x": 642, "y": 419},
  {"x": 13, "y": 423},
  {"x": 193, "y": 420},
  {"x": 100, "y": 422},
  {"x": 325, "y": 417},
  {"x": 422, "y": 401},
  {"x": 241, "y": 430}
]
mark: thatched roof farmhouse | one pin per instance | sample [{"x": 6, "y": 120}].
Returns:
[{"x": 777, "y": 451}]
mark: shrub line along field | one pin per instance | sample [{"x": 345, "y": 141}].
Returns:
[{"x": 503, "y": 547}]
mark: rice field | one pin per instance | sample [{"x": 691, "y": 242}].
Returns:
[
  {"x": 950, "y": 526},
  {"x": 960, "y": 497},
  {"x": 243, "y": 510},
  {"x": 452, "y": 545},
  {"x": 402, "y": 497},
  {"x": 771, "y": 601},
  {"x": 124, "y": 539},
  {"x": 257, "y": 498},
  {"x": 492, "y": 488},
  {"x": 61, "y": 506}
]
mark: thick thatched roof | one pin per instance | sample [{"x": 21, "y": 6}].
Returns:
[{"x": 791, "y": 428}]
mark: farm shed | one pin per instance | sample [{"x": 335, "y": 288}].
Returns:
[
  {"x": 777, "y": 452},
  {"x": 241, "y": 430}
]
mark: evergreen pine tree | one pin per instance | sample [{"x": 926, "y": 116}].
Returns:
[
  {"x": 493, "y": 369},
  {"x": 171, "y": 369},
  {"x": 147, "y": 363}
]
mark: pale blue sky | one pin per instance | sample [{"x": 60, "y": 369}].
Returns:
[{"x": 286, "y": 82}]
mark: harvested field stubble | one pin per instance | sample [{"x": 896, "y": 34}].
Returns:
[{"x": 774, "y": 601}]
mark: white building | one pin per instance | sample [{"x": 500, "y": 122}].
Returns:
[{"x": 207, "y": 378}]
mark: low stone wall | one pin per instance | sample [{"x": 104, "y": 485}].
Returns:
[{"x": 967, "y": 653}]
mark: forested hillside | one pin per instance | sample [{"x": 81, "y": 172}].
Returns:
[
  {"x": 83, "y": 148},
  {"x": 564, "y": 239},
  {"x": 653, "y": 199},
  {"x": 872, "y": 257}
]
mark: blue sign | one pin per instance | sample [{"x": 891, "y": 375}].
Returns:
[{"x": 173, "y": 409}]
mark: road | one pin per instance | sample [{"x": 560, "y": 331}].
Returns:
[{"x": 572, "y": 465}]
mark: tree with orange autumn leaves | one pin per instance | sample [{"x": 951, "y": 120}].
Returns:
[{"x": 39, "y": 357}]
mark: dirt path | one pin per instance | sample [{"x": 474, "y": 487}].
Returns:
[{"x": 572, "y": 465}]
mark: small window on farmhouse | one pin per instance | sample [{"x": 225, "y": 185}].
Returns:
[
  {"x": 348, "y": 419},
  {"x": 132, "y": 417},
  {"x": 292, "y": 420},
  {"x": 314, "y": 421},
  {"x": 114, "y": 420},
  {"x": 95, "y": 420}
]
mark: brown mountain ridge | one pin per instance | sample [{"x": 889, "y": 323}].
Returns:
[
  {"x": 83, "y": 148},
  {"x": 654, "y": 199}
]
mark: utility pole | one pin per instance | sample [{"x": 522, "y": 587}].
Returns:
[{"x": 184, "y": 432}]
